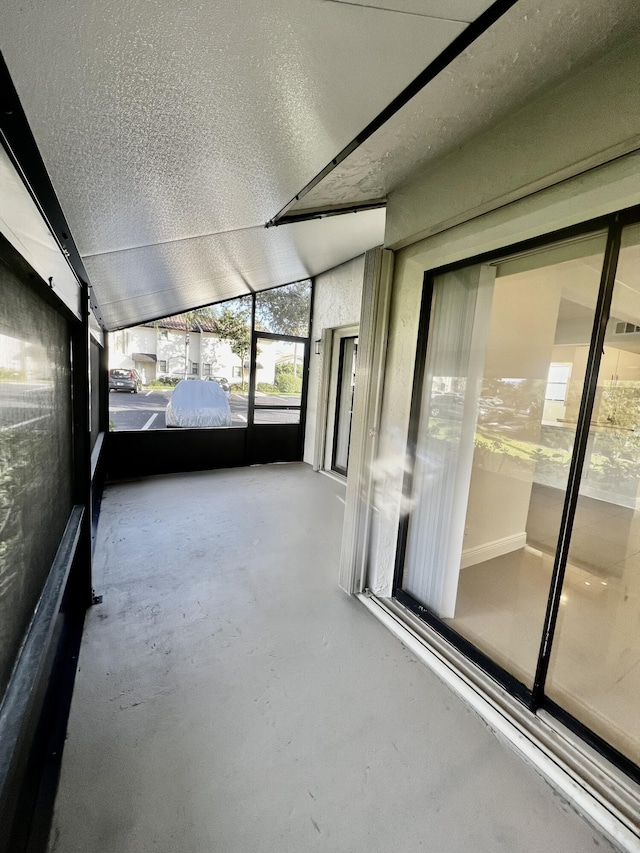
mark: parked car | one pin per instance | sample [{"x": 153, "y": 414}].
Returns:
[
  {"x": 198, "y": 403},
  {"x": 223, "y": 382},
  {"x": 447, "y": 405},
  {"x": 492, "y": 412},
  {"x": 124, "y": 379}
]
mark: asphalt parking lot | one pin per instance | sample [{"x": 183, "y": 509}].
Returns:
[{"x": 146, "y": 410}]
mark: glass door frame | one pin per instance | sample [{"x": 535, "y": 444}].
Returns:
[
  {"x": 534, "y": 699},
  {"x": 336, "y": 421},
  {"x": 293, "y": 433}
]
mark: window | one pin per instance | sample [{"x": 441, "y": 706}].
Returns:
[
  {"x": 185, "y": 347},
  {"x": 215, "y": 342},
  {"x": 36, "y": 487},
  {"x": 557, "y": 382}
]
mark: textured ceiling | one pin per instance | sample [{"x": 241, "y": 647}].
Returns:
[
  {"x": 531, "y": 48},
  {"x": 451, "y": 10},
  {"x": 167, "y": 124},
  {"x": 166, "y": 279}
]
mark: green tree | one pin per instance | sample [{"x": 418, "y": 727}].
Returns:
[
  {"x": 233, "y": 327},
  {"x": 284, "y": 310}
]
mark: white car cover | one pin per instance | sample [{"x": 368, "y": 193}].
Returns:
[{"x": 196, "y": 403}]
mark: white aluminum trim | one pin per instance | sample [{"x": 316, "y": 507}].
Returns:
[
  {"x": 326, "y": 342},
  {"x": 365, "y": 425}
]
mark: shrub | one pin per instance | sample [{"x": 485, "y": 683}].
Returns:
[
  {"x": 287, "y": 383},
  {"x": 164, "y": 382},
  {"x": 267, "y": 388}
]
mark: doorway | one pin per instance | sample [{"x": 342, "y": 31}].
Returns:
[
  {"x": 344, "y": 404},
  {"x": 335, "y": 407},
  {"x": 279, "y": 365}
]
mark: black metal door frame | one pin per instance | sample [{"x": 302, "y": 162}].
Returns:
[
  {"x": 339, "y": 469},
  {"x": 533, "y": 698},
  {"x": 277, "y": 442}
]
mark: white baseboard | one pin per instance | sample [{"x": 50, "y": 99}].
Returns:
[{"x": 490, "y": 550}]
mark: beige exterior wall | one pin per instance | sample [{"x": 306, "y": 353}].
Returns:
[
  {"x": 337, "y": 298},
  {"x": 588, "y": 120}
]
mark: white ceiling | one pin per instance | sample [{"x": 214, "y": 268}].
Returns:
[
  {"x": 168, "y": 278},
  {"x": 168, "y": 125},
  {"x": 172, "y": 131}
]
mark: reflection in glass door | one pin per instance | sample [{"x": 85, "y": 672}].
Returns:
[
  {"x": 595, "y": 664},
  {"x": 522, "y": 544},
  {"x": 344, "y": 404}
]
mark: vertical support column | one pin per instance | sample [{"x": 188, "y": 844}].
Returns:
[
  {"x": 252, "y": 361},
  {"x": 322, "y": 405},
  {"x": 81, "y": 580},
  {"x": 104, "y": 387},
  {"x": 305, "y": 374},
  {"x": 367, "y": 407}
]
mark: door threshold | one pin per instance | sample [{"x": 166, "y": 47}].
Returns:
[{"x": 333, "y": 475}]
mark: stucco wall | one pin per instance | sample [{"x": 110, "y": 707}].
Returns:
[{"x": 337, "y": 298}]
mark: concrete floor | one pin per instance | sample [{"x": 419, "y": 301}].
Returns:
[{"x": 231, "y": 699}]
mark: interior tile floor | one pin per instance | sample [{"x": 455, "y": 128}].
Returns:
[
  {"x": 231, "y": 699},
  {"x": 595, "y": 666}
]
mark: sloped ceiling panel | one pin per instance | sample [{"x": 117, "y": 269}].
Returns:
[
  {"x": 530, "y": 49},
  {"x": 174, "y": 276}
]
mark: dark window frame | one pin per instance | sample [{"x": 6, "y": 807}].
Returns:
[{"x": 535, "y": 698}]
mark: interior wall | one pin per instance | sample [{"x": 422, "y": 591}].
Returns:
[
  {"x": 586, "y": 121},
  {"x": 594, "y": 193},
  {"x": 520, "y": 343},
  {"x": 336, "y": 302}
]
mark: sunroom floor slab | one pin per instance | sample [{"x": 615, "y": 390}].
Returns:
[{"x": 231, "y": 698}]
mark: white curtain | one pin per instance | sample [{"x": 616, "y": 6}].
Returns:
[{"x": 455, "y": 358}]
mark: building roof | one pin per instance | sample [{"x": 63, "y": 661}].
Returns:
[{"x": 180, "y": 323}]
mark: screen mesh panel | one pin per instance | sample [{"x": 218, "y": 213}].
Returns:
[{"x": 35, "y": 454}]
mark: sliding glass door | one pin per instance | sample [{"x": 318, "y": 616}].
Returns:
[
  {"x": 595, "y": 659},
  {"x": 523, "y": 540}
]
